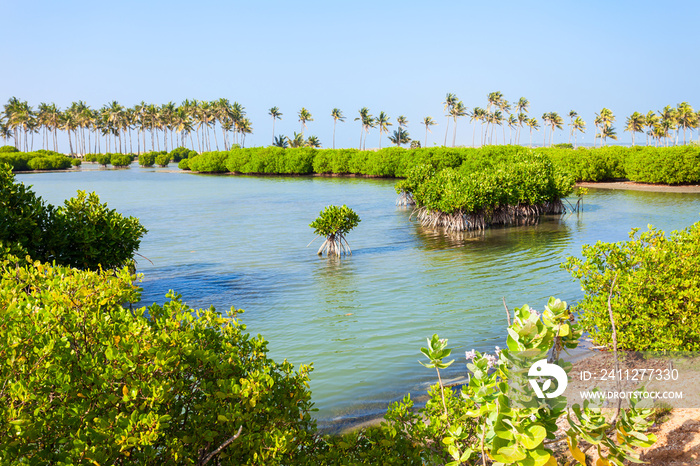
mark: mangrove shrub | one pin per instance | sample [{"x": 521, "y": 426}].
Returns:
[
  {"x": 82, "y": 233},
  {"x": 333, "y": 223},
  {"x": 86, "y": 380},
  {"x": 653, "y": 287}
]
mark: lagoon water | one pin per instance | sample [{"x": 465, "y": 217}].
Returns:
[{"x": 242, "y": 241}]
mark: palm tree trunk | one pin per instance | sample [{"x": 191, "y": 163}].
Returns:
[
  {"x": 426, "y": 136},
  {"x": 446, "y": 129},
  {"x": 454, "y": 133},
  {"x": 335, "y": 121}
]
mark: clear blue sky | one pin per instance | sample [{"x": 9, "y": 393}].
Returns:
[{"x": 399, "y": 57}]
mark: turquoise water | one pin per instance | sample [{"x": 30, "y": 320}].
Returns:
[{"x": 242, "y": 241}]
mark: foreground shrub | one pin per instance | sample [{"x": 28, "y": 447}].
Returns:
[
  {"x": 8, "y": 148},
  {"x": 183, "y": 164},
  {"x": 499, "y": 419},
  {"x": 652, "y": 284},
  {"x": 86, "y": 380},
  {"x": 82, "y": 233}
]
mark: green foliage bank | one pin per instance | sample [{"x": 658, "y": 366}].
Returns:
[
  {"x": 670, "y": 165},
  {"x": 652, "y": 284}
]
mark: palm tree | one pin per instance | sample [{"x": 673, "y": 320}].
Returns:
[
  {"x": 281, "y": 141},
  {"x": 364, "y": 115},
  {"x": 275, "y": 113},
  {"x": 368, "y": 122},
  {"x": 450, "y": 101},
  {"x": 297, "y": 141},
  {"x": 304, "y": 116},
  {"x": 504, "y": 106},
  {"x": 5, "y": 131},
  {"x": 313, "y": 141},
  {"x": 521, "y": 109},
  {"x": 669, "y": 120},
  {"x": 686, "y": 118},
  {"x": 383, "y": 123},
  {"x": 572, "y": 115},
  {"x": 533, "y": 124},
  {"x": 428, "y": 122},
  {"x": 400, "y": 136},
  {"x": 604, "y": 120},
  {"x": 578, "y": 125},
  {"x": 512, "y": 124},
  {"x": 458, "y": 110},
  {"x": 651, "y": 121},
  {"x": 477, "y": 114},
  {"x": 635, "y": 124},
  {"x": 337, "y": 115},
  {"x": 545, "y": 121},
  {"x": 556, "y": 122},
  {"x": 494, "y": 100},
  {"x": 244, "y": 127}
]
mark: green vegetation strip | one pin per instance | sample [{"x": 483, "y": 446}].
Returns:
[{"x": 644, "y": 164}]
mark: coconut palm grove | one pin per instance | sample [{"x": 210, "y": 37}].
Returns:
[{"x": 197, "y": 125}]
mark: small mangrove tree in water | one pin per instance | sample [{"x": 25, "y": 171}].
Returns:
[
  {"x": 334, "y": 223},
  {"x": 504, "y": 190}
]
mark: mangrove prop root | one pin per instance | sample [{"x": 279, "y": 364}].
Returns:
[
  {"x": 335, "y": 245},
  {"x": 405, "y": 199},
  {"x": 504, "y": 215}
]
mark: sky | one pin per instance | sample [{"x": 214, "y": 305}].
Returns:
[{"x": 397, "y": 57}]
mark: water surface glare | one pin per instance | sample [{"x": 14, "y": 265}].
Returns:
[{"x": 241, "y": 241}]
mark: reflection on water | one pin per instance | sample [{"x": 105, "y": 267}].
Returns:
[{"x": 361, "y": 319}]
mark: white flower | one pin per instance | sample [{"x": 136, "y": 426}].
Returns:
[{"x": 470, "y": 355}]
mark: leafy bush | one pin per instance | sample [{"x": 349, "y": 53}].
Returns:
[
  {"x": 163, "y": 159},
  {"x": 147, "y": 159},
  {"x": 24, "y": 217},
  {"x": 51, "y": 162},
  {"x": 82, "y": 233},
  {"x": 103, "y": 159},
  {"x": 334, "y": 223},
  {"x": 183, "y": 164},
  {"x": 86, "y": 234},
  {"x": 209, "y": 162},
  {"x": 8, "y": 148},
  {"x": 653, "y": 288},
  {"x": 498, "y": 417},
  {"x": 483, "y": 191},
  {"x": 121, "y": 160},
  {"x": 37, "y": 160},
  {"x": 181, "y": 153},
  {"x": 668, "y": 165},
  {"x": 88, "y": 380},
  {"x": 76, "y": 162},
  {"x": 90, "y": 157}
]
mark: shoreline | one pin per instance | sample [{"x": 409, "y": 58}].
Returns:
[{"x": 634, "y": 186}]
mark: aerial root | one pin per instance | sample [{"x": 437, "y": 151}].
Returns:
[
  {"x": 502, "y": 215},
  {"x": 335, "y": 245},
  {"x": 405, "y": 199}
]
